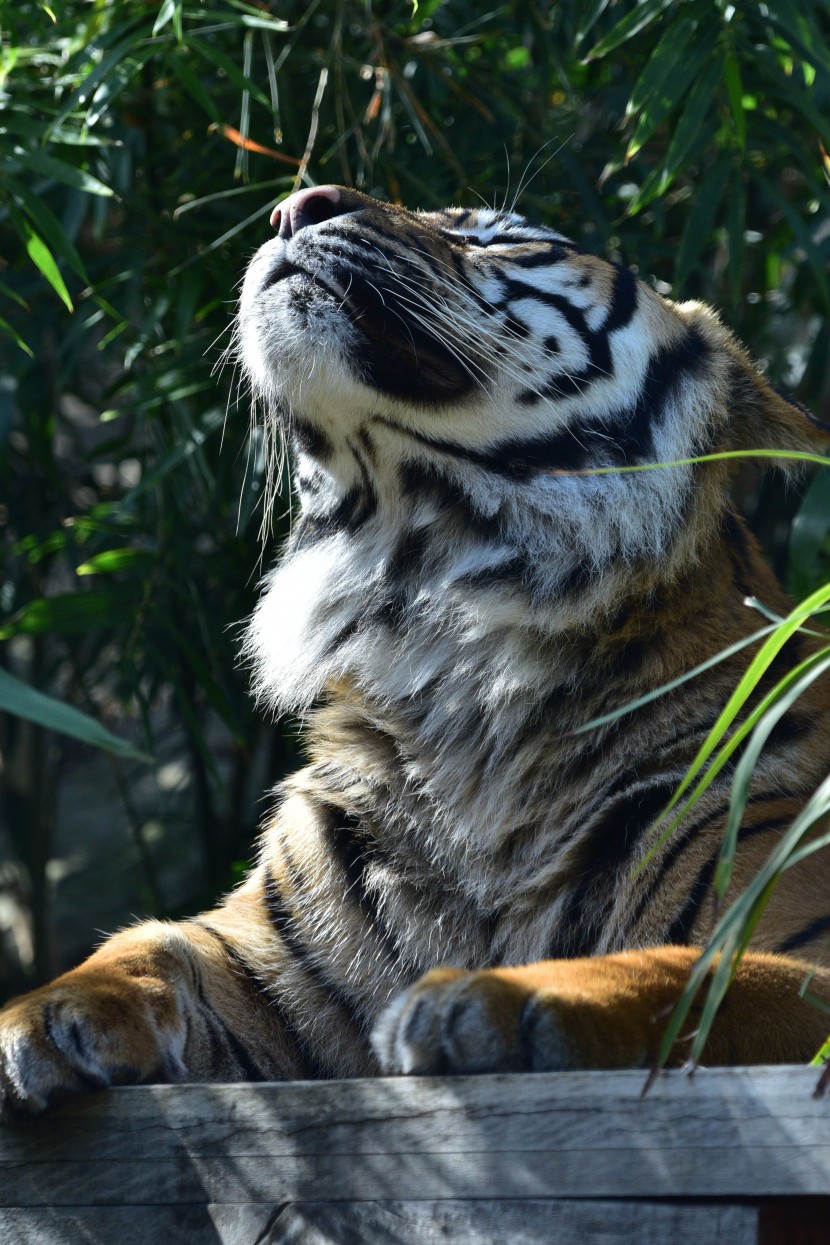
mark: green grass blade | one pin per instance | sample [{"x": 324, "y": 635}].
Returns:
[
  {"x": 757, "y": 668},
  {"x": 799, "y": 679},
  {"x": 648, "y": 697},
  {"x": 800, "y": 456}
]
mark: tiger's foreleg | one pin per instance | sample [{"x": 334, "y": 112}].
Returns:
[
  {"x": 158, "y": 1002},
  {"x": 601, "y": 1012}
]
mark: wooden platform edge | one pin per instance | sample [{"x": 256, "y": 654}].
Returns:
[{"x": 733, "y": 1134}]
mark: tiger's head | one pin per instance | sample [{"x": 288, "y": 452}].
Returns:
[{"x": 446, "y": 377}]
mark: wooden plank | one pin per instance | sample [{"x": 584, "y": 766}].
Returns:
[
  {"x": 536, "y": 1222},
  {"x": 533, "y": 1222},
  {"x": 152, "y": 1225},
  {"x": 722, "y": 1133}
]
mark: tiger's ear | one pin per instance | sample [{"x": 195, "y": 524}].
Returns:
[
  {"x": 756, "y": 415},
  {"x": 761, "y": 417}
]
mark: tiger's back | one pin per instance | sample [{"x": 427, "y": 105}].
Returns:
[{"x": 457, "y": 598}]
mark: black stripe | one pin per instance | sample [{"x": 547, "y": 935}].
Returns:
[
  {"x": 286, "y": 926},
  {"x": 600, "y": 851},
  {"x": 623, "y": 301},
  {"x": 548, "y": 253},
  {"x": 355, "y": 508},
  {"x": 684, "y": 835},
  {"x": 805, "y": 936},
  {"x": 86, "y": 1078},
  {"x": 260, "y": 990},
  {"x": 451, "y": 502},
  {"x": 679, "y": 932},
  {"x": 219, "y": 1035},
  {"x": 310, "y": 440},
  {"x": 407, "y": 556},
  {"x": 356, "y": 854}
]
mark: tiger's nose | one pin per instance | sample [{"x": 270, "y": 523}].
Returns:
[{"x": 307, "y": 207}]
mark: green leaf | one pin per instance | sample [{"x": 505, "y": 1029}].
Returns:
[
  {"x": 695, "y": 126},
  {"x": 23, "y": 701},
  {"x": 194, "y": 86},
  {"x": 61, "y": 172},
  {"x": 210, "y": 423},
  {"x": 803, "y": 237},
  {"x": 111, "y": 560},
  {"x": 71, "y": 612},
  {"x": 589, "y": 15},
  {"x": 170, "y": 11},
  {"x": 784, "y": 696},
  {"x": 212, "y": 54},
  {"x": 735, "y": 226},
  {"x": 664, "y": 688},
  {"x": 662, "y": 65},
  {"x": 120, "y": 76},
  {"x": 804, "y": 37},
  {"x": 7, "y": 329},
  {"x": 786, "y": 90},
  {"x": 48, "y": 225},
  {"x": 82, "y": 95},
  {"x": 808, "y": 550},
  {"x": 701, "y": 218},
  {"x": 633, "y": 22},
  {"x": 660, "y": 107},
  {"x": 757, "y": 669},
  {"x": 735, "y": 91},
  {"x": 40, "y": 255}
]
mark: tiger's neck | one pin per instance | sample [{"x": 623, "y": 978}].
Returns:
[{"x": 399, "y": 574}]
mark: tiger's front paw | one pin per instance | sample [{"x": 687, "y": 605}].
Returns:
[
  {"x": 556, "y": 1015},
  {"x": 453, "y": 1022},
  {"x": 86, "y": 1031}
]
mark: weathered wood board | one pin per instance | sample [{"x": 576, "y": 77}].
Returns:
[{"x": 560, "y": 1157}]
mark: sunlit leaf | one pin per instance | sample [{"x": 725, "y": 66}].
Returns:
[
  {"x": 633, "y": 22},
  {"x": 40, "y": 255}
]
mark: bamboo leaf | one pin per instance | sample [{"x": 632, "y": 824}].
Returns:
[
  {"x": 662, "y": 64},
  {"x": 735, "y": 225},
  {"x": 70, "y": 612},
  {"x": 735, "y": 93},
  {"x": 659, "y": 108},
  {"x": 633, "y": 22},
  {"x": 61, "y": 172},
  {"x": 82, "y": 95},
  {"x": 170, "y": 11},
  {"x": 633, "y": 705},
  {"x": 40, "y": 255},
  {"x": 48, "y": 225},
  {"x": 809, "y": 532},
  {"x": 696, "y": 124},
  {"x": 757, "y": 668},
  {"x": 7, "y": 329},
  {"x": 23, "y": 701},
  {"x": 120, "y": 76},
  {"x": 589, "y": 15},
  {"x": 111, "y": 560},
  {"x": 802, "y": 235},
  {"x": 212, "y": 54},
  {"x": 701, "y": 218}
]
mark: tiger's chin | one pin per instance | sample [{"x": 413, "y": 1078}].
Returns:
[{"x": 313, "y": 347}]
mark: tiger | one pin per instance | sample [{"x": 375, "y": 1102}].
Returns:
[{"x": 460, "y": 879}]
